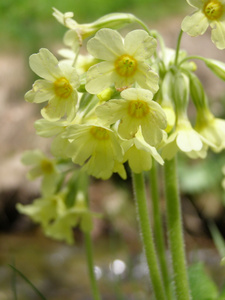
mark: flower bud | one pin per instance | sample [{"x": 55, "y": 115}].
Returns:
[
  {"x": 113, "y": 20},
  {"x": 216, "y": 66},
  {"x": 181, "y": 92},
  {"x": 197, "y": 92},
  {"x": 106, "y": 94}
]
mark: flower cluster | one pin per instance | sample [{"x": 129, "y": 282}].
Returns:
[{"x": 122, "y": 102}]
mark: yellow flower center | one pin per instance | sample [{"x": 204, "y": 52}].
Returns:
[
  {"x": 99, "y": 133},
  {"x": 138, "y": 109},
  {"x": 213, "y": 9},
  {"x": 126, "y": 65},
  {"x": 62, "y": 88},
  {"x": 47, "y": 166}
]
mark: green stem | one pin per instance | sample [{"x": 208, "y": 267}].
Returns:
[
  {"x": 178, "y": 47},
  {"x": 175, "y": 232},
  {"x": 147, "y": 238},
  {"x": 158, "y": 230},
  {"x": 90, "y": 263},
  {"x": 83, "y": 185},
  {"x": 191, "y": 57}
]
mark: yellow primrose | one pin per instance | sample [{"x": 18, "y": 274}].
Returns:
[
  {"x": 124, "y": 61},
  {"x": 44, "y": 210},
  {"x": 62, "y": 226},
  {"x": 185, "y": 139},
  {"x": 211, "y": 128},
  {"x": 208, "y": 13},
  {"x": 139, "y": 154},
  {"x": 95, "y": 147},
  {"x": 136, "y": 109},
  {"x": 58, "y": 86},
  {"x": 42, "y": 166}
]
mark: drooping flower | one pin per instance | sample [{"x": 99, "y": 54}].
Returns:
[
  {"x": 44, "y": 210},
  {"x": 185, "y": 139},
  {"x": 208, "y": 13},
  {"x": 78, "y": 214},
  {"x": 136, "y": 109},
  {"x": 124, "y": 61},
  {"x": 212, "y": 129},
  {"x": 42, "y": 166},
  {"x": 140, "y": 154},
  {"x": 58, "y": 86},
  {"x": 95, "y": 147}
]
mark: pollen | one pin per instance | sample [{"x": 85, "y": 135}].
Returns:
[
  {"x": 126, "y": 65},
  {"x": 138, "y": 109},
  {"x": 47, "y": 166},
  {"x": 62, "y": 88},
  {"x": 213, "y": 9},
  {"x": 99, "y": 133}
]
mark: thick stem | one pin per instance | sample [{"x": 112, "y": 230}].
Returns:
[
  {"x": 175, "y": 231},
  {"x": 158, "y": 230},
  {"x": 90, "y": 264},
  {"x": 147, "y": 238},
  {"x": 83, "y": 178}
]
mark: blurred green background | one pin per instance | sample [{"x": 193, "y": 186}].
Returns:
[{"x": 29, "y": 24}]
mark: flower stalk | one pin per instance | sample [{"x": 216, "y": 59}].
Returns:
[
  {"x": 147, "y": 237},
  {"x": 158, "y": 230},
  {"x": 175, "y": 232}
]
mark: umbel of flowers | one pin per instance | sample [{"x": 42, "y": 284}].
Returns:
[{"x": 125, "y": 101}]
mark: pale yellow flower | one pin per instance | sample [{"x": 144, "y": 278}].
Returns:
[
  {"x": 94, "y": 147},
  {"x": 58, "y": 86},
  {"x": 42, "y": 166},
  {"x": 212, "y": 129},
  {"x": 207, "y": 13},
  {"x": 136, "y": 109},
  {"x": 124, "y": 61},
  {"x": 185, "y": 139},
  {"x": 140, "y": 154}
]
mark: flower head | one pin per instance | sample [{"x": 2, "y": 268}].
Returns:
[
  {"x": 42, "y": 166},
  {"x": 95, "y": 147},
  {"x": 139, "y": 154},
  {"x": 124, "y": 61},
  {"x": 208, "y": 13},
  {"x": 44, "y": 210},
  {"x": 136, "y": 109},
  {"x": 185, "y": 139},
  {"x": 212, "y": 129},
  {"x": 58, "y": 86}
]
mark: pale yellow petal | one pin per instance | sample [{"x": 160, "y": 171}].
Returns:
[{"x": 195, "y": 24}]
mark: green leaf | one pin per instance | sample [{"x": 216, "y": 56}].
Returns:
[
  {"x": 202, "y": 287},
  {"x": 28, "y": 282}
]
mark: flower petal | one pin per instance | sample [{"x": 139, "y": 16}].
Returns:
[
  {"x": 218, "y": 34},
  {"x": 45, "y": 65},
  {"x": 99, "y": 77},
  {"x": 42, "y": 91},
  {"x": 107, "y": 44},
  {"x": 146, "y": 78},
  {"x": 140, "y": 44},
  {"x": 195, "y": 24}
]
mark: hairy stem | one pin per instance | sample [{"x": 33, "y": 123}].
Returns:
[
  {"x": 147, "y": 238},
  {"x": 158, "y": 230},
  {"x": 175, "y": 231}
]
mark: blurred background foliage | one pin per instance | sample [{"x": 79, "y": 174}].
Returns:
[{"x": 30, "y": 25}]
